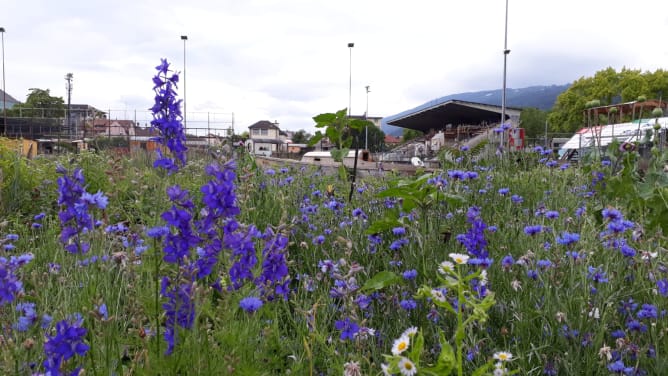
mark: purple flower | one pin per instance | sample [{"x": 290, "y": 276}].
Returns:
[
  {"x": 167, "y": 119},
  {"x": 399, "y": 231},
  {"x": 410, "y": 275},
  {"x": 551, "y": 214},
  {"x": 567, "y": 238},
  {"x": 504, "y": 191},
  {"x": 533, "y": 230},
  {"x": 408, "y": 304},
  {"x": 347, "y": 327},
  {"x": 65, "y": 344},
  {"x": 250, "y": 304},
  {"x": 507, "y": 262}
]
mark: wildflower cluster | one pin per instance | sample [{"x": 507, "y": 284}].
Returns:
[
  {"x": 67, "y": 342},
  {"x": 74, "y": 215},
  {"x": 10, "y": 284},
  {"x": 167, "y": 118}
]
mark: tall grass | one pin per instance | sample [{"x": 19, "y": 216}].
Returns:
[{"x": 553, "y": 312}]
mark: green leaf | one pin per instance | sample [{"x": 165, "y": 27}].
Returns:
[
  {"x": 446, "y": 359},
  {"x": 416, "y": 349},
  {"x": 381, "y": 280},
  {"x": 383, "y": 225},
  {"x": 316, "y": 138},
  {"x": 324, "y": 120}
]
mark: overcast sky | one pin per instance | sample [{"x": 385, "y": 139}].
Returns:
[{"x": 288, "y": 60}]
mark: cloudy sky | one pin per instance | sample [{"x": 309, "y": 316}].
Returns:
[{"x": 288, "y": 60}]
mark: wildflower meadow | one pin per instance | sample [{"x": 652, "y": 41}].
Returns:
[{"x": 209, "y": 265}]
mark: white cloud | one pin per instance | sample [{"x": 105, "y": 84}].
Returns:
[{"x": 288, "y": 60}]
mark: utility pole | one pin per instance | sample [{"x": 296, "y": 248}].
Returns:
[
  {"x": 366, "y": 115},
  {"x": 68, "y": 87}
]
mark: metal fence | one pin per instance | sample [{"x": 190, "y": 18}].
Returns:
[{"x": 35, "y": 123}]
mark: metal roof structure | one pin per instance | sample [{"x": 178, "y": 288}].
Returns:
[{"x": 438, "y": 114}]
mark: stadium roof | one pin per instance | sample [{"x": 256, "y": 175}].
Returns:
[{"x": 437, "y": 114}]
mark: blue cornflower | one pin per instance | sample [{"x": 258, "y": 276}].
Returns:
[
  {"x": 399, "y": 231},
  {"x": 544, "y": 264},
  {"x": 398, "y": 244},
  {"x": 636, "y": 326},
  {"x": 318, "y": 240},
  {"x": 363, "y": 301},
  {"x": 596, "y": 274},
  {"x": 533, "y": 230},
  {"x": 567, "y": 238},
  {"x": 516, "y": 199},
  {"x": 617, "y": 366},
  {"x": 250, "y": 304},
  {"x": 410, "y": 275},
  {"x": 507, "y": 262},
  {"x": 347, "y": 327},
  {"x": 662, "y": 287},
  {"x": 504, "y": 191},
  {"x": 408, "y": 304},
  {"x": 359, "y": 213},
  {"x": 532, "y": 274},
  {"x": 648, "y": 311},
  {"x": 551, "y": 214}
]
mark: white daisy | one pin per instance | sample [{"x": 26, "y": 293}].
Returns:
[
  {"x": 401, "y": 345},
  {"x": 446, "y": 267},
  {"x": 407, "y": 367},
  {"x": 503, "y": 356},
  {"x": 410, "y": 332},
  {"x": 459, "y": 258}
]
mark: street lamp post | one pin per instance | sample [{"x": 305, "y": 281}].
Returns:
[
  {"x": 184, "y": 38},
  {"x": 366, "y": 115},
  {"x": 506, "y": 51},
  {"x": 350, "y": 78},
  {"x": 4, "y": 92}
]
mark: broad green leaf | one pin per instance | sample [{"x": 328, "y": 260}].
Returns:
[
  {"x": 381, "y": 280},
  {"x": 383, "y": 225}
]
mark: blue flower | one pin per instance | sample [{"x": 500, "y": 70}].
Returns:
[
  {"x": 533, "y": 230},
  {"x": 250, "y": 304},
  {"x": 347, "y": 327},
  {"x": 504, "y": 191},
  {"x": 410, "y": 275},
  {"x": 596, "y": 274},
  {"x": 399, "y": 231},
  {"x": 552, "y": 214},
  {"x": 408, "y": 304},
  {"x": 65, "y": 344},
  {"x": 567, "y": 238}
]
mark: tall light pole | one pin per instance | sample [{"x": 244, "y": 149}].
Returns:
[
  {"x": 366, "y": 115},
  {"x": 184, "y": 38},
  {"x": 350, "y": 78},
  {"x": 4, "y": 92},
  {"x": 506, "y": 51}
]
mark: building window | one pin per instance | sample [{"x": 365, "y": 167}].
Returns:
[
  {"x": 256, "y": 132},
  {"x": 265, "y": 132}
]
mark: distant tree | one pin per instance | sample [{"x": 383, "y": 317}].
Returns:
[
  {"x": 372, "y": 136},
  {"x": 244, "y": 135},
  {"x": 608, "y": 87},
  {"x": 39, "y": 103},
  {"x": 301, "y": 137},
  {"x": 533, "y": 122},
  {"x": 410, "y": 134}
]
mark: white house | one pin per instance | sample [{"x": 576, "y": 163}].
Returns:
[{"x": 265, "y": 138}]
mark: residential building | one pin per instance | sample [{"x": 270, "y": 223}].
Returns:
[{"x": 265, "y": 138}]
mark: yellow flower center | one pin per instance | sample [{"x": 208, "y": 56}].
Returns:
[
  {"x": 402, "y": 346},
  {"x": 408, "y": 366}
]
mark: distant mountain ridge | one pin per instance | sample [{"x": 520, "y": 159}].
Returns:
[{"x": 541, "y": 97}]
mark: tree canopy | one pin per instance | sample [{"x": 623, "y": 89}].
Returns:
[
  {"x": 301, "y": 137},
  {"x": 608, "y": 87},
  {"x": 39, "y": 103}
]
